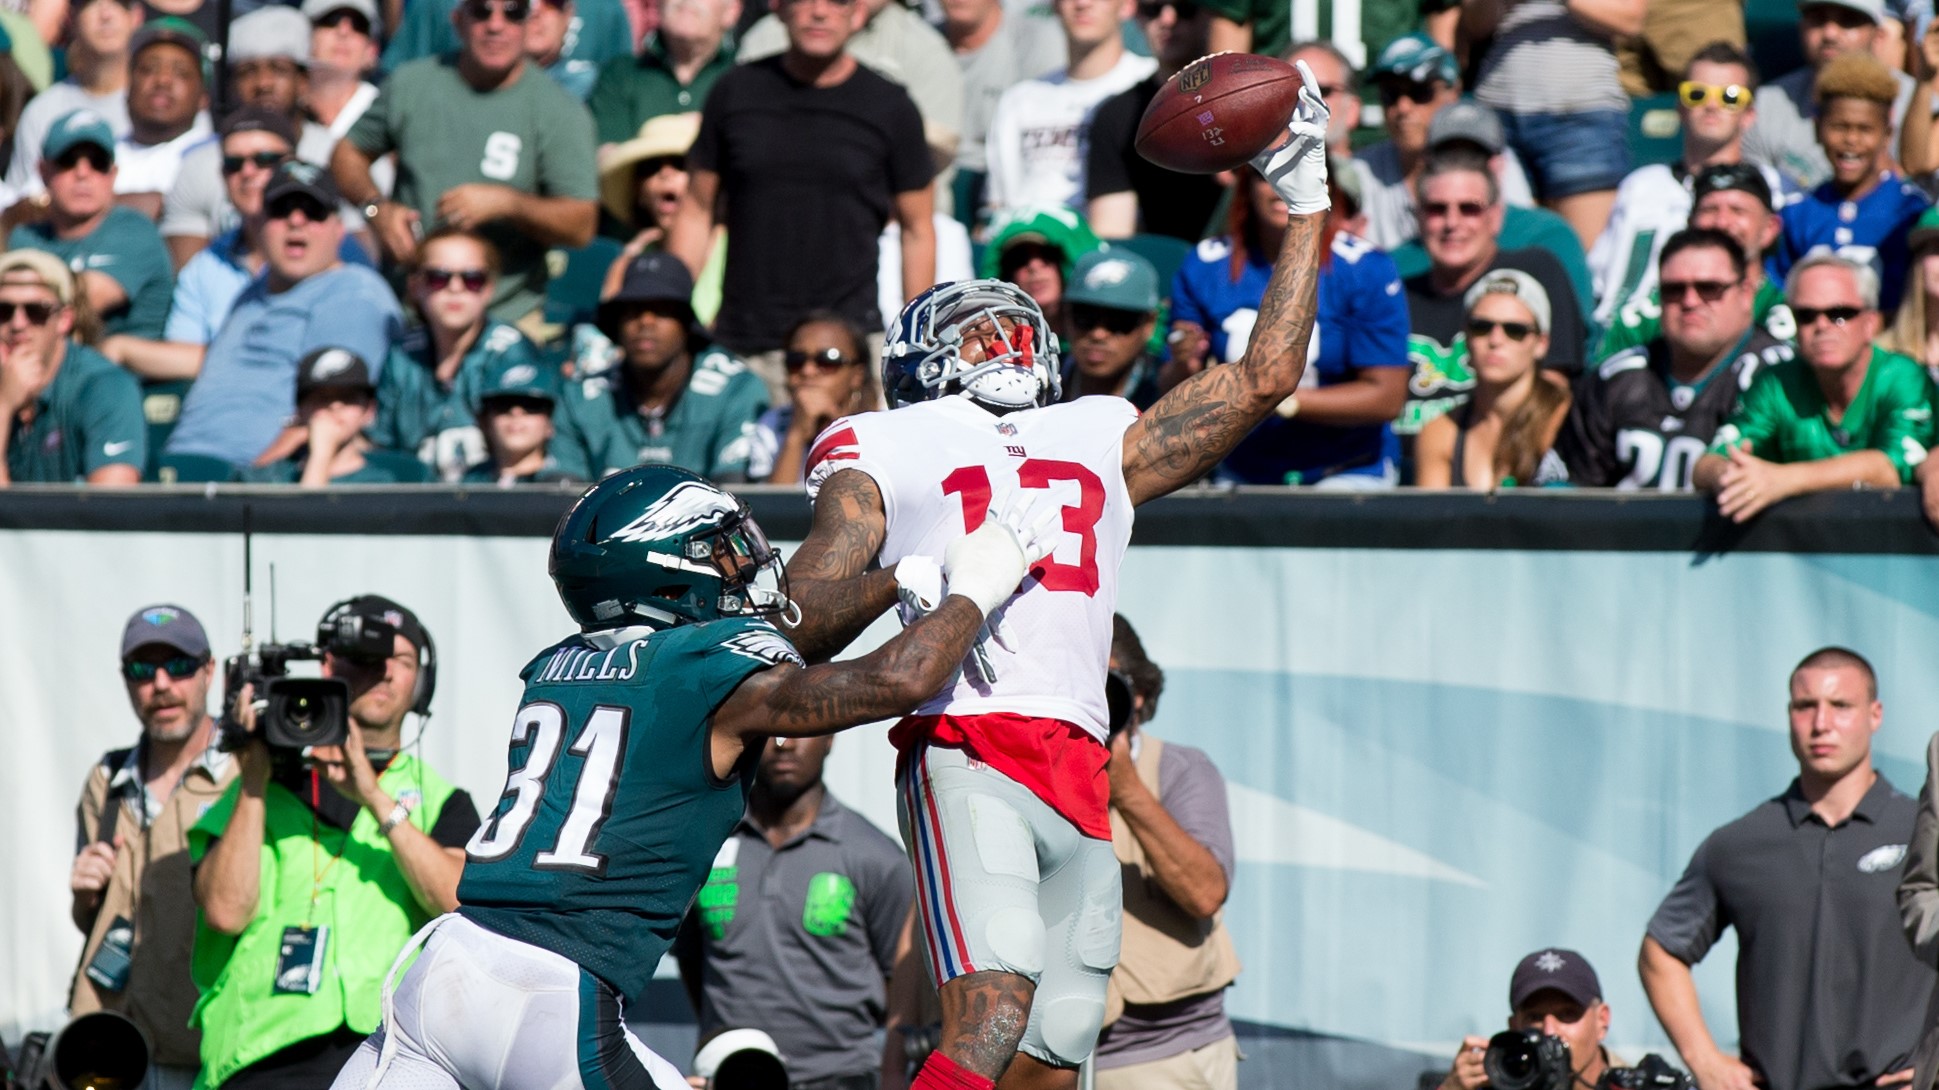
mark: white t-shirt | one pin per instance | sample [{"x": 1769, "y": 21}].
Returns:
[
  {"x": 30, "y": 132},
  {"x": 1652, "y": 204},
  {"x": 152, "y": 168},
  {"x": 1040, "y": 133}
]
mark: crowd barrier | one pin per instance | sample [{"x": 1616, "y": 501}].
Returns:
[{"x": 1455, "y": 728}]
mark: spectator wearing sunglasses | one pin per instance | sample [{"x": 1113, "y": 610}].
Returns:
[
  {"x": 516, "y": 414},
  {"x": 1785, "y": 134},
  {"x": 1843, "y": 414},
  {"x": 132, "y": 898},
  {"x": 434, "y": 381},
  {"x": 649, "y": 387},
  {"x": 641, "y": 183},
  {"x": 673, "y": 73},
  {"x": 1038, "y": 252},
  {"x": 97, "y": 79},
  {"x": 1866, "y": 209},
  {"x": 1503, "y": 435},
  {"x": 1113, "y": 304},
  {"x": 124, "y": 267},
  {"x": 1334, "y": 432},
  {"x": 830, "y": 375},
  {"x": 1643, "y": 418},
  {"x": 1126, "y": 193},
  {"x": 305, "y": 298},
  {"x": 1714, "y": 103},
  {"x": 1415, "y": 79},
  {"x": 1461, "y": 217},
  {"x": 343, "y": 50},
  {"x": 481, "y": 147},
  {"x": 66, "y": 413}
]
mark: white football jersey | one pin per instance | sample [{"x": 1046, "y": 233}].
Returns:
[{"x": 940, "y": 465}]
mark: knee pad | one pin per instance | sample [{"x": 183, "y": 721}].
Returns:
[
  {"x": 1016, "y": 937},
  {"x": 1068, "y": 1026}
]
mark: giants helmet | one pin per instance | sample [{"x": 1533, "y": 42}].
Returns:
[
  {"x": 1016, "y": 365},
  {"x": 659, "y": 545}
]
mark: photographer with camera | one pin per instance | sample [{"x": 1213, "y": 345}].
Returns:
[
  {"x": 335, "y": 845},
  {"x": 1556, "y": 1024},
  {"x": 130, "y": 881},
  {"x": 1165, "y": 1022}
]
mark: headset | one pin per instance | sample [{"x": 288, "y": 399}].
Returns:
[{"x": 361, "y": 628}]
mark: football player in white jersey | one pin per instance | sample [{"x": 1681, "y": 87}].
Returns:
[{"x": 1002, "y": 791}]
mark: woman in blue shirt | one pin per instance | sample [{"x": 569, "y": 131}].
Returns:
[{"x": 1334, "y": 431}]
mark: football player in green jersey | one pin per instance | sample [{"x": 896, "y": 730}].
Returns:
[{"x": 632, "y": 755}]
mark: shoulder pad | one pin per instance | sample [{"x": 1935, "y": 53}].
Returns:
[{"x": 1629, "y": 359}]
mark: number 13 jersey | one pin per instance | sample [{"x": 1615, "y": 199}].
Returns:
[{"x": 941, "y": 465}]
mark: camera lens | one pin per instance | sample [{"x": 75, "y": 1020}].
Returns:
[{"x": 301, "y": 715}]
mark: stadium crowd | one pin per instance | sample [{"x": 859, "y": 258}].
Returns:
[{"x": 506, "y": 241}]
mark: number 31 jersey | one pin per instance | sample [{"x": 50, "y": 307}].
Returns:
[
  {"x": 611, "y": 815},
  {"x": 941, "y": 466}
]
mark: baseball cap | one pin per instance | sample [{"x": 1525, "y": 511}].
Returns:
[
  {"x": 315, "y": 10},
  {"x": 654, "y": 276},
  {"x": 308, "y": 179},
  {"x": 1466, "y": 119},
  {"x": 172, "y": 30},
  {"x": 1871, "y": 9},
  {"x": 258, "y": 119},
  {"x": 1417, "y": 57},
  {"x": 170, "y": 626},
  {"x": 332, "y": 369},
  {"x": 1116, "y": 279},
  {"x": 663, "y": 136},
  {"x": 1516, "y": 283},
  {"x": 74, "y": 128},
  {"x": 1564, "y": 971},
  {"x": 273, "y": 31},
  {"x": 522, "y": 378},
  {"x": 51, "y": 271},
  {"x": 1059, "y": 228},
  {"x": 1744, "y": 177}
]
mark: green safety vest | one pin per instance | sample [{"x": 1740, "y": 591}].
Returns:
[{"x": 364, "y": 901}]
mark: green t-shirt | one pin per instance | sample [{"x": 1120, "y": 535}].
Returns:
[
  {"x": 709, "y": 430},
  {"x": 127, "y": 248},
  {"x": 1786, "y": 419},
  {"x": 417, "y": 413},
  {"x": 632, "y": 90},
  {"x": 1641, "y": 321},
  {"x": 531, "y": 135},
  {"x": 87, "y": 418}
]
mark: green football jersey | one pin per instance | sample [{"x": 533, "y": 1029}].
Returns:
[
  {"x": 709, "y": 429},
  {"x": 416, "y": 412},
  {"x": 1786, "y": 419},
  {"x": 611, "y": 815},
  {"x": 1641, "y": 321}
]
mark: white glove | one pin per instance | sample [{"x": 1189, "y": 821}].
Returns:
[
  {"x": 986, "y": 564},
  {"x": 1297, "y": 168},
  {"x": 919, "y": 585}
]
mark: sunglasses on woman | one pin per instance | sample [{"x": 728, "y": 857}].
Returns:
[
  {"x": 472, "y": 280},
  {"x": 828, "y": 359},
  {"x": 1482, "y": 327},
  {"x": 1730, "y": 96}
]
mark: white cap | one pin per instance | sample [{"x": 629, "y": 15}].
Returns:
[{"x": 1871, "y": 9}]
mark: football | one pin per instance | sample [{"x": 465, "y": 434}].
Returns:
[{"x": 1218, "y": 112}]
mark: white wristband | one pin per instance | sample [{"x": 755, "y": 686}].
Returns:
[{"x": 399, "y": 814}]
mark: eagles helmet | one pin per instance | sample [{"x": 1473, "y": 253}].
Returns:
[
  {"x": 657, "y": 544},
  {"x": 1013, "y": 360}
]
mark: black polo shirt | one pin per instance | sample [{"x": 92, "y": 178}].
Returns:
[
  {"x": 798, "y": 941},
  {"x": 1829, "y": 993}
]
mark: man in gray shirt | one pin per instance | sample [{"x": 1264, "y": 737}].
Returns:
[
  {"x": 797, "y": 928},
  {"x": 1828, "y": 992},
  {"x": 1785, "y": 133}
]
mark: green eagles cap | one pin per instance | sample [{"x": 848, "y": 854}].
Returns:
[
  {"x": 1416, "y": 57},
  {"x": 1057, "y": 227},
  {"x": 1117, "y": 279},
  {"x": 74, "y": 128},
  {"x": 523, "y": 378}
]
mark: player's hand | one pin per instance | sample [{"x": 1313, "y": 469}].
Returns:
[
  {"x": 986, "y": 564},
  {"x": 1724, "y": 1072},
  {"x": 474, "y": 204},
  {"x": 1749, "y": 485},
  {"x": 1468, "y": 1073},
  {"x": 397, "y": 229},
  {"x": 1296, "y": 168},
  {"x": 95, "y": 865}
]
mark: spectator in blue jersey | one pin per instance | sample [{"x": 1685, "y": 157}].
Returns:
[
  {"x": 428, "y": 396},
  {"x": 1334, "y": 431},
  {"x": 1866, "y": 209},
  {"x": 516, "y": 415},
  {"x": 1113, "y": 297},
  {"x": 830, "y": 375}
]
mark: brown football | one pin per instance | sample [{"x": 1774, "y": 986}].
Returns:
[{"x": 1218, "y": 112}]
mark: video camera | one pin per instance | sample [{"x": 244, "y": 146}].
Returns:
[
  {"x": 301, "y": 712},
  {"x": 1529, "y": 1059},
  {"x": 97, "y": 1051}
]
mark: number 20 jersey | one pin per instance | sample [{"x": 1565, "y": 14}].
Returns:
[
  {"x": 941, "y": 465},
  {"x": 611, "y": 815}
]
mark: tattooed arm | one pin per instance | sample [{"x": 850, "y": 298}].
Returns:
[
  {"x": 829, "y": 577},
  {"x": 1198, "y": 423}
]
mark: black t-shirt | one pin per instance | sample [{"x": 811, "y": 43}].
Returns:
[
  {"x": 1169, "y": 203},
  {"x": 1632, "y": 426},
  {"x": 1437, "y": 342},
  {"x": 808, "y": 176}
]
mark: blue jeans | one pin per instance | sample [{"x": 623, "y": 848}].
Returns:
[{"x": 1567, "y": 154}]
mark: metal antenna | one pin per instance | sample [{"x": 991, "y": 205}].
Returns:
[{"x": 248, "y": 558}]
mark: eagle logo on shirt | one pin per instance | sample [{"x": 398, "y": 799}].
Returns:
[{"x": 1886, "y": 857}]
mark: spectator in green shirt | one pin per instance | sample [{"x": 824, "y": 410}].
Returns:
[
  {"x": 648, "y": 387},
  {"x": 1843, "y": 414},
  {"x": 336, "y": 402},
  {"x": 66, "y": 413},
  {"x": 676, "y": 67},
  {"x": 516, "y": 415}
]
